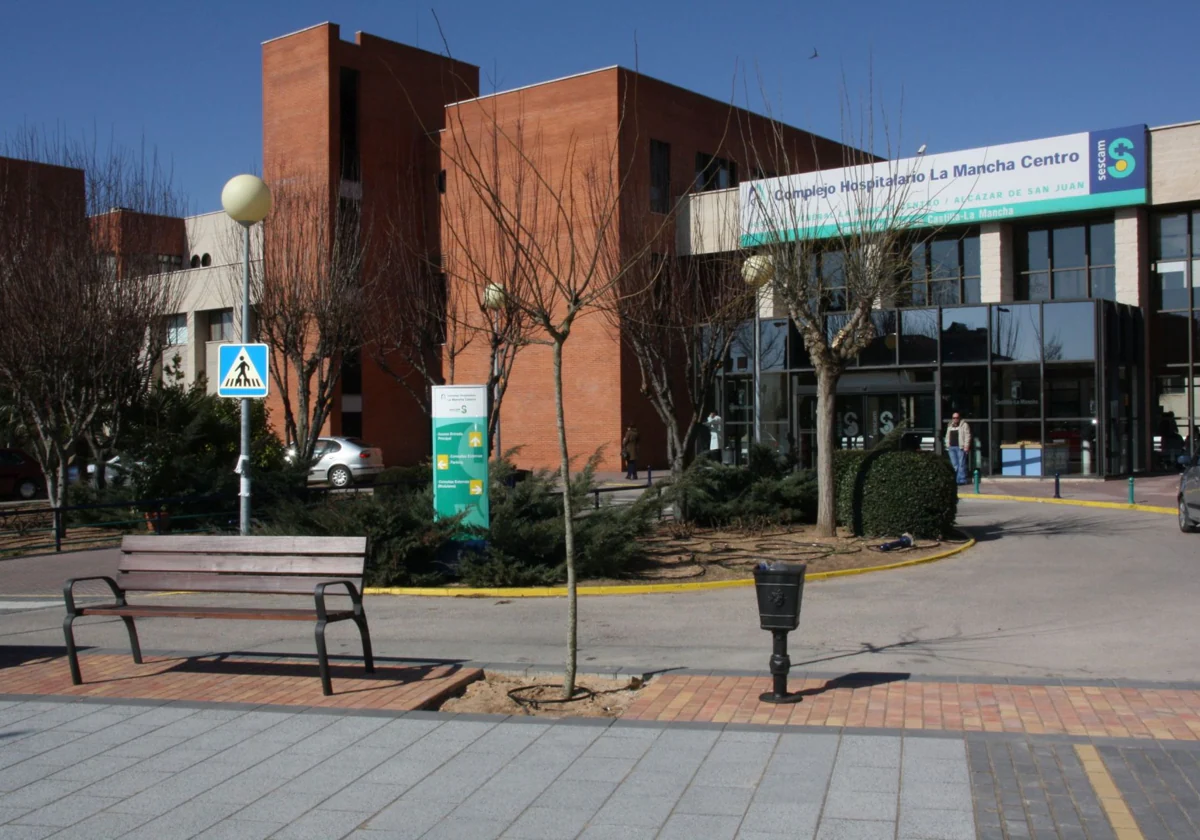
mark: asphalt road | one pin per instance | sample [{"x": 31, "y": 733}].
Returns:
[{"x": 1049, "y": 591}]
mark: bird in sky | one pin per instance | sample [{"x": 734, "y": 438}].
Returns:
[{"x": 814, "y": 55}]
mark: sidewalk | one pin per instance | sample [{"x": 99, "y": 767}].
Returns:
[
  {"x": 1156, "y": 490},
  {"x": 863, "y": 757}
]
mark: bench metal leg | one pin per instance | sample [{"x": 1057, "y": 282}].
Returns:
[
  {"x": 72, "y": 655},
  {"x": 368, "y": 656},
  {"x": 134, "y": 646},
  {"x": 323, "y": 660}
]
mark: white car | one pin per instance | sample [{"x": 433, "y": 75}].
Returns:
[{"x": 344, "y": 462}]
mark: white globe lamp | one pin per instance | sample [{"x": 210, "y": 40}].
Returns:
[
  {"x": 493, "y": 296},
  {"x": 758, "y": 270},
  {"x": 246, "y": 199}
]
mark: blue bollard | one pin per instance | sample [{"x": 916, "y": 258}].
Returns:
[
  {"x": 1057, "y": 494},
  {"x": 1131, "y": 490},
  {"x": 976, "y": 482}
]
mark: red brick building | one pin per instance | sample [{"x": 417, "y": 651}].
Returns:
[{"x": 377, "y": 120}]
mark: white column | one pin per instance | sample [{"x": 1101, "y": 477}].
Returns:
[
  {"x": 996, "y": 262},
  {"x": 1132, "y": 231}
]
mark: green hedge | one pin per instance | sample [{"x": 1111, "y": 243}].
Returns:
[
  {"x": 884, "y": 493},
  {"x": 716, "y": 495}
]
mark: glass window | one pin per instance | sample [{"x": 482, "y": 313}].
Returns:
[
  {"x": 773, "y": 344},
  {"x": 1035, "y": 253},
  {"x": 1103, "y": 245},
  {"x": 1016, "y": 333},
  {"x": 964, "y": 334},
  {"x": 918, "y": 261},
  {"x": 1070, "y": 247},
  {"x": 220, "y": 325},
  {"x": 945, "y": 270},
  {"x": 1170, "y": 287},
  {"x": 943, "y": 259},
  {"x": 1104, "y": 283},
  {"x": 741, "y": 350},
  {"x": 918, "y": 336},
  {"x": 965, "y": 390},
  {"x": 1070, "y": 284},
  {"x": 1069, "y": 330},
  {"x": 797, "y": 353},
  {"x": 660, "y": 176},
  {"x": 177, "y": 331},
  {"x": 774, "y": 398},
  {"x": 1170, "y": 236},
  {"x": 970, "y": 259},
  {"x": 1070, "y": 448},
  {"x": 1035, "y": 286},
  {"x": 1016, "y": 392},
  {"x": 1172, "y": 343},
  {"x": 882, "y": 349},
  {"x": 1070, "y": 390}
]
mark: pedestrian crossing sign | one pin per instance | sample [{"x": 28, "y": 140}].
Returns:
[{"x": 242, "y": 370}]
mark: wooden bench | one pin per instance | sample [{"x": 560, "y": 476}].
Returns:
[{"x": 245, "y": 565}]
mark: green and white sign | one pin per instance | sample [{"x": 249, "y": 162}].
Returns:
[
  {"x": 460, "y": 447},
  {"x": 1085, "y": 171}
]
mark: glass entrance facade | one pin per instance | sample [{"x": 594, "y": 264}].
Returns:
[{"x": 1047, "y": 387}]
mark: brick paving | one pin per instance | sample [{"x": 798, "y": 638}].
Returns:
[
  {"x": 285, "y": 681},
  {"x": 1159, "y": 713}
]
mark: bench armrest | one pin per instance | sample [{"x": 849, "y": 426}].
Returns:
[
  {"x": 69, "y": 593},
  {"x": 351, "y": 590}
]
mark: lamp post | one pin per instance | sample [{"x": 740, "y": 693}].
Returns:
[
  {"x": 758, "y": 271},
  {"x": 247, "y": 200},
  {"x": 494, "y": 300}
]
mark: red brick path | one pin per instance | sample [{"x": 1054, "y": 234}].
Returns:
[
  {"x": 289, "y": 682},
  {"x": 1093, "y": 711}
]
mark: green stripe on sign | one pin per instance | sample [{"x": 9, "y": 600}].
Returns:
[{"x": 974, "y": 215}]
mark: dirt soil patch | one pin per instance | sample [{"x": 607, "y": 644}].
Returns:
[
  {"x": 490, "y": 695},
  {"x": 685, "y": 554}
]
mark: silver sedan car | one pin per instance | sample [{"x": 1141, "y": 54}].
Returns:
[{"x": 344, "y": 462}]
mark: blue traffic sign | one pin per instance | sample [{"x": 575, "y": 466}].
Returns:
[{"x": 242, "y": 370}]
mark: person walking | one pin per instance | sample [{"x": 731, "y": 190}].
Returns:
[
  {"x": 958, "y": 444},
  {"x": 629, "y": 449}
]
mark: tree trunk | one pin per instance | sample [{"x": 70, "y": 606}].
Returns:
[
  {"x": 568, "y": 528},
  {"x": 827, "y": 380}
]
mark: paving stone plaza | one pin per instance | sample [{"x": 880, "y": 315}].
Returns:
[{"x": 908, "y": 730}]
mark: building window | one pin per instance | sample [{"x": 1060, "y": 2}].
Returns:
[
  {"x": 1176, "y": 256},
  {"x": 714, "y": 173},
  {"x": 220, "y": 325},
  {"x": 195, "y": 261},
  {"x": 206, "y": 261},
  {"x": 169, "y": 262},
  {"x": 945, "y": 271},
  {"x": 441, "y": 182},
  {"x": 348, "y": 125},
  {"x": 1067, "y": 261},
  {"x": 177, "y": 331},
  {"x": 660, "y": 176}
]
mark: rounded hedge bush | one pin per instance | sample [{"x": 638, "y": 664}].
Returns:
[{"x": 884, "y": 493}]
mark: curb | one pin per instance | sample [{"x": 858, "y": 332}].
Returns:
[
  {"x": 643, "y": 589},
  {"x": 1072, "y": 503}
]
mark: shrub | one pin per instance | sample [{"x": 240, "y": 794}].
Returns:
[
  {"x": 887, "y": 492},
  {"x": 712, "y": 494}
]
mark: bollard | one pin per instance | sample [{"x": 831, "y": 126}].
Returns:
[
  {"x": 649, "y": 477},
  {"x": 1131, "y": 490},
  {"x": 1057, "y": 494},
  {"x": 976, "y": 482}
]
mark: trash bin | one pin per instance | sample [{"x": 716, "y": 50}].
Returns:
[{"x": 780, "y": 590}]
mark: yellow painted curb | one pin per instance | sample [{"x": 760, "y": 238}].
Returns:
[
  {"x": 643, "y": 589},
  {"x": 1071, "y": 502}
]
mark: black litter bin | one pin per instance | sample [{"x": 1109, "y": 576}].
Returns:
[{"x": 780, "y": 590}]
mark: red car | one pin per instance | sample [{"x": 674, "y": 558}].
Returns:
[{"x": 20, "y": 475}]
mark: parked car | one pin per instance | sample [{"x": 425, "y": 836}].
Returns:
[
  {"x": 20, "y": 475},
  {"x": 1189, "y": 493},
  {"x": 344, "y": 462}
]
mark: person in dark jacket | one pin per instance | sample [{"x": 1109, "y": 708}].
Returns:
[{"x": 629, "y": 450}]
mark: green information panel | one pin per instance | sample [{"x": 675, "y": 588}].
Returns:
[{"x": 460, "y": 447}]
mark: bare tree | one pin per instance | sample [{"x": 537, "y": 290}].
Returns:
[
  {"x": 835, "y": 246},
  {"x": 88, "y": 246},
  {"x": 679, "y": 316},
  {"x": 312, "y": 294},
  {"x": 557, "y": 213}
]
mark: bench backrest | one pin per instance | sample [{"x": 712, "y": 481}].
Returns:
[{"x": 285, "y": 565}]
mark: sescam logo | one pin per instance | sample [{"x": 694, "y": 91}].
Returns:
[
  {"x": 1121, "y": 151},
  {"x": 1114, "y": 158}
]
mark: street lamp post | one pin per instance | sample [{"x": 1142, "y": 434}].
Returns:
[
  {"x": 247, "y": 200},
  {"x": 758, "y": 271},
  {"x": 493, "y": 301}
]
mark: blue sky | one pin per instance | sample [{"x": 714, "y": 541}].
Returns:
[{"x": 185, "y": 77}]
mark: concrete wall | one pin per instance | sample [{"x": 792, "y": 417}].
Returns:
[{"x": 1175, "y": 163}]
